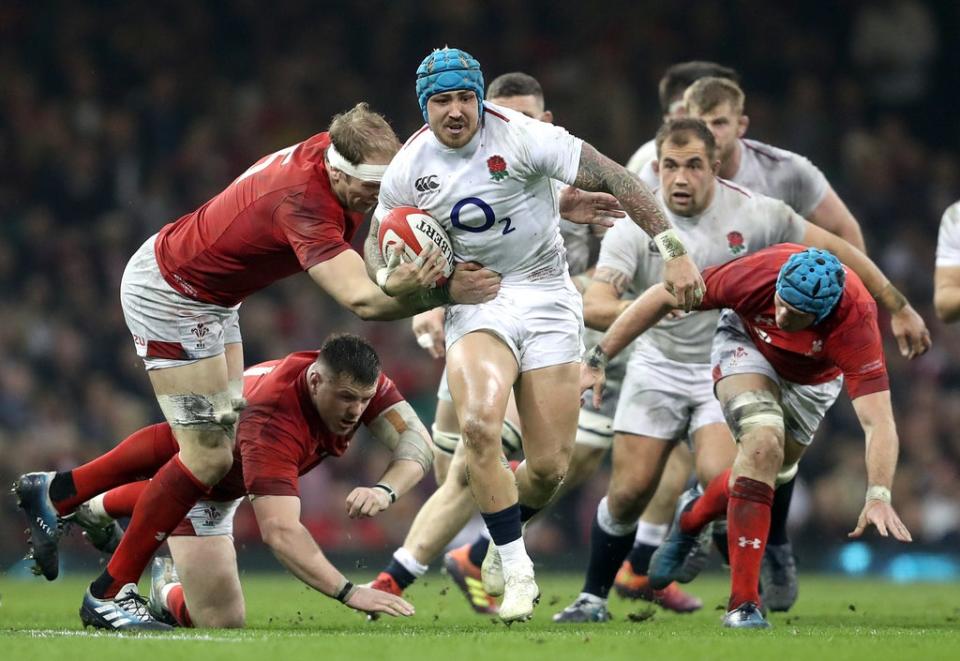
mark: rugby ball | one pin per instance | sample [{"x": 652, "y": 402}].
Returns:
[{"x": 416, "y": 229}]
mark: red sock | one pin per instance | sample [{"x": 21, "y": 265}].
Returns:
[
  {"x": 138, "y": 456},
  {"x": 120, "y": 502},
  {"x": 748, "y": 524},
  {"x": 177, "y": 606},
  {"x": 163, "y": 504},
  {"x": 711, "y": 505}
]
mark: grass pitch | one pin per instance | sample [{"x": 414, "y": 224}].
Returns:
[{"x": 834, "y": 619}]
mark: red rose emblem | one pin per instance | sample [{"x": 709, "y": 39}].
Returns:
[
  {"x": 497, "y": 167},
  {"x": 735, "y": 242}
]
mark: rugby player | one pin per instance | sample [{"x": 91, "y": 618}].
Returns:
[{"x": 946, "y": 294}]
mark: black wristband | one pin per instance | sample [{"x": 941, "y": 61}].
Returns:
[
  {"x": 345, "y": 592},
  {"x": 388, "y": 489}
]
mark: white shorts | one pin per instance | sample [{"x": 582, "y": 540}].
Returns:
[
  {"x": 208, "y": 518},
  {"x": 595, "y": 426},
  {"x": 664, "y": 398},
  {"x": 541, "y": 322},
  {"x": 169, "y": 329},
  {"x": 803, "y": 406}
]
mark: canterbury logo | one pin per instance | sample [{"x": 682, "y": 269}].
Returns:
[
  {"x": 428, "y": 183},
  {"x": 744, "y": 542}
]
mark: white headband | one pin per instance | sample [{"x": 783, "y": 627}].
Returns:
[{"x": 364, "y": 171}]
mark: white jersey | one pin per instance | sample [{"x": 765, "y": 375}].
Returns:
[
  {"x": 737, "y": 223},
  {"x": 773, "y": 172},
  {"x": 576, "y": 241},
  {"x": 646, "y": 154},
  {"x": 948, "y": 242},
  {"x": 494, "y": 196}
]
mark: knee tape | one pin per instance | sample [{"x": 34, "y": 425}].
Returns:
[
  {"x": 786, "y": 474},
  {"x": 752, "y": 410},
  {"x": 219, "y": 410},
  {"x": 511, "y": 438},
  {"x": 611, "y": 526},
  {"x": 445, "y": 441}
]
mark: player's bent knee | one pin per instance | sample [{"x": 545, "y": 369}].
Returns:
[
  {"x": 216, "y": 412},
  {"x": 754, "y": 411},
  {"x": 549, "y": 473},
  {"x": 626, "y": 503},
  {"x": 480, "y": 436}
]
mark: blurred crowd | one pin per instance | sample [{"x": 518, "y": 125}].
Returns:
[{"x": 116, "y": 118}]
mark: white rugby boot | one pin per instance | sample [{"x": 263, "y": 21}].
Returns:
[
  {"x": 491, "y": 572},
  {"x": 520, "y": 594}
]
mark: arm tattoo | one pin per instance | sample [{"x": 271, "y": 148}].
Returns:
[
  {"x": 371, "y": 250},
  {"x": 618, "y": 280},
  {"x": 600, "y": 174},
  {"x": 891, "y": 298}
]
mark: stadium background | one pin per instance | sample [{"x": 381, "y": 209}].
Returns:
[{"x": 116, "y": 118}]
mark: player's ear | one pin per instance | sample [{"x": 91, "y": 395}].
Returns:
[
  {"x": 655, "y": 164},
  {"x": 742, "y": 125},
  {"x": 547, "y": 117}
]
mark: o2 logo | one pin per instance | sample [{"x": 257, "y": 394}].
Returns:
[{"x": 489, "y": 218}]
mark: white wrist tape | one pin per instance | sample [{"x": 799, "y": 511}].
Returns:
[
  {"x": 878, "y": 493},
  {"x": 669, "y": 245}
]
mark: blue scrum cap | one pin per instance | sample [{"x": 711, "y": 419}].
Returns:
[
  {"x": 445, "y": 70},
  {"x": 812, "y": 281}
]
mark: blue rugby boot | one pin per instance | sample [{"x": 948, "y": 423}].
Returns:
[
  {"x": 745, "y": 616},
  {"x": 127, "y": 611},
  {"x": 33, "y": 496},
  {"x": 678, "y": 558}
]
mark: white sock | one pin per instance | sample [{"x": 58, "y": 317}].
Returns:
[
  {"x": 405, "y": 558},
  {"x": 96, "y": 508},
  {"x": 651, "y": 534},
  {"x": 610, "y": 525},
  {"x": 485, "y": 533},
  {"x": 514, "y": 555},
  {"x": 165, "y": 592}
]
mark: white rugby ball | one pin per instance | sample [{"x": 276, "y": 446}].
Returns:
[{"x": 416, "y": 229}]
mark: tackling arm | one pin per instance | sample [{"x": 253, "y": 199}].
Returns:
[
  {"x": 882, "y": 445},
  {"x": 911, "y": 332},
  {"x": 601, "y": 300}
]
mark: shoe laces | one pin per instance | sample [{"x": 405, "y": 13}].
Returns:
[{"x": 135, "y": 605}]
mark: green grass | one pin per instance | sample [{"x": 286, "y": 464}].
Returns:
[{"x": 834, "y": 619}]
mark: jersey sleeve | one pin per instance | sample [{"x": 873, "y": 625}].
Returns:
[
  {"x": 948, "y": 241},
  {"x": 808, "y": 187},
  {"x": 387, "y": 395},
  {"x": 783, "y": 224},
  {"x": 270, "y": 452},
  {"x": 314, "y": 232},
  {"x": 549, "y": 150},
  {"x": 649, "y": 177},
  {"x": 858, "y": 352},
  {"x": 619, "y": 249}
]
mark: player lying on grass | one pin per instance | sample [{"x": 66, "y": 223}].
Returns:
[
  {"x": 797, "y": 324},
  {"x": 301, "y": 410}
]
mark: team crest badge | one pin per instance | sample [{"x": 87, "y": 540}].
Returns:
[
  {"x": 497, "y": 167},
  {"x": 735, "y": 243}
]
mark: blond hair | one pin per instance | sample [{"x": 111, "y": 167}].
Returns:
[
  {"x": 361, "y": 133},
  {"x": 709, "y": 93}
]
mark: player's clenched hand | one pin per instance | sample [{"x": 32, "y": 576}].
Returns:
[
  {"x": 406, "y": 278},
  {"x": 369, "y": 600},
  {"x": 428, "y": 328},
  {"x": 682, "y": 279},
  {"x": 471, "y": 284},
  {"x": 911, "y": 332},
  {"x": 366, "y": 502},
  {"x": 593, "y": 378},
  {"x": 586, "y": 208},
  {"x": 882, "y": 515}
]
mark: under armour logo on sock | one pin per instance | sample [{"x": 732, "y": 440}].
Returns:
[{"x": 743, "y": 542}]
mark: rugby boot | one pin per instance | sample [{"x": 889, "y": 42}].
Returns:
[
  {"x": 386, "y": 583},
  {"x": 745, "y": 616},
  {"x": 45, "y": 529},
  {"x": 125, "y": 612},
  {"x": 778, "y": 576},
  {"x": 491, "y": 572},
  {"x": 679, "y": 558},
  {"x": 631, "y": 585},
  {"x": 103, "y": 532},
  {"x": 162, "y": 573},
  {"x": 520, "y": 594},
  {"x": 466, "y": 575},
  {"x": 587, "y": 608}
]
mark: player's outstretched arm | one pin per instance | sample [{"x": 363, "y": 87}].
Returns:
[
  {"x": 946, "y": 292},
  {"x": 882, "y": 445},
  {"x": 911, "y": 332},
  {"x": 834, "y": 216},
  {"x": 399, "y": 429},
  {"x": 279, "y": 521},
  {"x": 680, "y": 274}
]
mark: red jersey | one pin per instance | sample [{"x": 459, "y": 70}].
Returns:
[
  {"x": 277, "y": 218},
  {"x": 847, "y": 341},
  {"x": 280, "y": 435}
]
